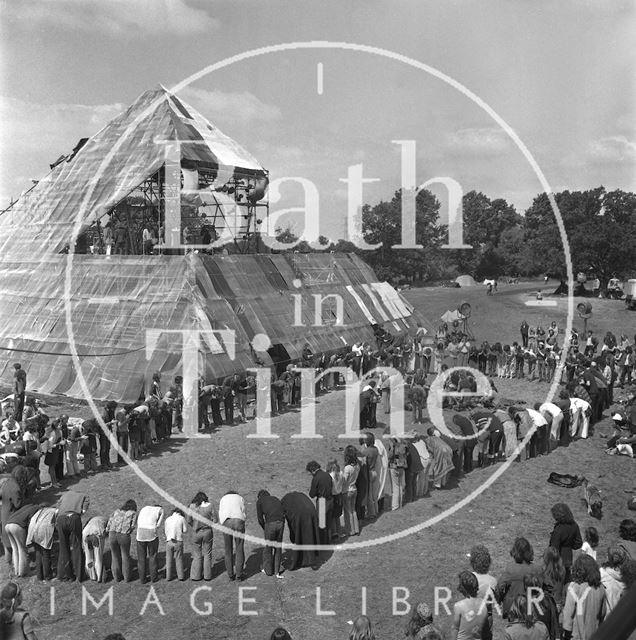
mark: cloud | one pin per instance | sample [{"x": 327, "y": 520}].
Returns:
[
  {"x": 230, "y": 107},
  {"x": 34, "y": 135},
  {"x": 478, "y": 141},
  {"x": 612, "y": 150},
  {"x": 114, "y": 17}
]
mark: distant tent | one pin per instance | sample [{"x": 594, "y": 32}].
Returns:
[
  {"x": 450, "y": 316},
  {"x": 562, "y": 289},
  {"x": 466, "y": 281}
]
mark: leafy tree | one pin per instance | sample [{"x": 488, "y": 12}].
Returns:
[
  {"x": 382, "y": 223},
  {"x": 485, "y": 222},
  {"x": 600, "y": 229}
]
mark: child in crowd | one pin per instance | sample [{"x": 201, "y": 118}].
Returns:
[{"x": 591, "y": 542}]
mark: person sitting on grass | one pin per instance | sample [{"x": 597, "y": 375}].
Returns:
[
  {"x": 362, "y": 629},
  {"x": 15, "y": 622},
  {"x": 421, "y": 623}
]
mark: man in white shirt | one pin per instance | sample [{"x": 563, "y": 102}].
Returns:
[
  {"x": 554, "y": 415},
  {"x": 175, "y": 527},
  {"x": 148, "y": 523},
  {"x": 541, "y": 433},
  {"x": 580, "y": 420},
  {"x": 232, "y": 516}
]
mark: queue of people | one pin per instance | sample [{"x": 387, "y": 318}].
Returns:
[{"x": 566, "y": 594}]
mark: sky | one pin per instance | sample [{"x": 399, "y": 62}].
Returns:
[{"x": 560, "y": 74}]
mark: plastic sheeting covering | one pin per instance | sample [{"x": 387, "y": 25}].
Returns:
[
  {"x": 118, "y": 304},
  {"x": 117, "y": 159}
]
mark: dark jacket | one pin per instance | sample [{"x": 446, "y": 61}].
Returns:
[
  {"x": 565, "y": 538},
  {"x": 321, "y": 485}
]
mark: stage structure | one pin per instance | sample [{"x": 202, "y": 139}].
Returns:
[{"x": 129, "y": 297}]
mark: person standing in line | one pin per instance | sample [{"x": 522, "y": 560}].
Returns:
[
  {"x": 413, "y": 469},
  {"x": 302, "y": 521},
  {"x": 120, "y": 528},
  {"x": 148, "y": 522},
  {"x": 580, "y": 412},
  {"x": 337, "y": 480},
  {"x": 70, "y": 507},
  {"x": 72, "y": 449},
  {"x": 62, "y": 428},
  {"x": 350, "y": 490},
  {"x": 93, "y": 539},
  {"x": 89, "y": 445},
  {"x": 40, "y": 535},
  {"x": 175, "y": 527},
  {"x": 370, "y": 453},
  {"x": 14, "y": 495},
  {"x": 554, "y": 416},
  {"x": 271, "y": 517},
  {"x": 16, "y": 527},
  {"x": 321, "y": 486},
  {"x": 121, "y": 430},
  {"x": 19, "y": 390},
  {"x": 203, "y": 536},
  {"x": 385, "y": 390},
  {"x": 232, "y": 516},
  {"x": 398, "y": 462},
  {"x": 108, "y": 416},
  {"x": 51, "y": 452}
]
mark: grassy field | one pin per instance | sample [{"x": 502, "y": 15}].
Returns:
[{"x": 517, "y": 503}]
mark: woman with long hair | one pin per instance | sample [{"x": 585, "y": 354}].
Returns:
[
  {"x": 566, "y": 535},
  {"x": 120, "y": 527},
  {"x": 544, "y": 607},
  {"x": 420, "y": 623},
  {"x": 350, "y": 491},
  {"x": 361, "y": 629},
  {"x": 611, "y": 577},
  {"x": 15, "y": 622},
  {"x": 554, "y": 575},
  {"x": 584, "y": 608},
  {"x": 522, "y": 623},
  {"x": 510, "y": 584},
  {"x": 203, "y": 536}
]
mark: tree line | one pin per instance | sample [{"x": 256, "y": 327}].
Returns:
[{"x": 600, "y": 227}]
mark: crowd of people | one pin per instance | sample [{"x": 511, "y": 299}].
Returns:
[
  {"x": 566, "y": 594},
  {"x": 378, "y": 475}
]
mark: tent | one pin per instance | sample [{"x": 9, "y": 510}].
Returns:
[
  {"x": 466, "y": 281},
  {"x": 124, "y": 314},
  {"x": 450, "y": 316}
]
